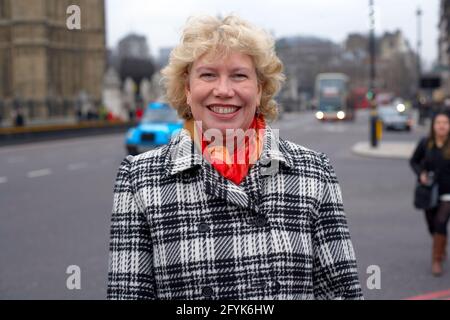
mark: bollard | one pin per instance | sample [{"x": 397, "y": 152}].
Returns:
[{"x": 373, "y": 129}]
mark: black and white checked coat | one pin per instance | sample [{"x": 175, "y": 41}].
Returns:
[{"x": 181, "y": 231}]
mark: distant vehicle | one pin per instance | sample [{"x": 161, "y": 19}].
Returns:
[
  {"x": 358, "y": 98},
  {"x": 395, "y": 117},
  {"x": 332, "y": 96},
  {"x": 384, "y": 98},
  {"x": 159, "y": 122}
]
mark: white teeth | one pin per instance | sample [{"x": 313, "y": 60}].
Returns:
[{"x": 223, "y": 110}]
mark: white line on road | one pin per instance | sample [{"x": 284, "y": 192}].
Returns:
[
  {"x": 77, "y": 166},
  {"x": 39, "y": 173},
  {"x": 18, "y": 159},
  {"x": 3, "y": 180},
  {"x": 335, "y": 129}
]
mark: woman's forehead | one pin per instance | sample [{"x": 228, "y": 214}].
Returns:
[
  {"x": 232, "y": 59},
  {"x": 442, "y": 118}
]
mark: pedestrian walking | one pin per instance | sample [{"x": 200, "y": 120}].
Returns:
[
  {"x": 204, "y": 218},
  {"x": 19, "y": 119},
  {"x": 431, "y": 160}
]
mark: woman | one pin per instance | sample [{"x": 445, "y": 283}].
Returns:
[
  {"x": 227, "y": 210},
  {"x": 432, "y": 155}
]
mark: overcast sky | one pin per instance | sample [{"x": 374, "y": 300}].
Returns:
[{"x": 161, "y": 20}]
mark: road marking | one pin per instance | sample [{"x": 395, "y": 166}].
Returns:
[
  {"x": 18, "y": 159},
  {"x": 432, "y": 295},
  {"x": 335, "y": 129},
  {"x": 39, "y": 173},
  {"x": 77, "y": 166},
  {"x": 3, "y": 180}
]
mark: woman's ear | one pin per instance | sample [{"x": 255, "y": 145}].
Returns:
[{"x": 187, "y": 91}]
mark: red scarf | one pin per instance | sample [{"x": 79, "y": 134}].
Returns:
[{"x": 235, "y": 167}]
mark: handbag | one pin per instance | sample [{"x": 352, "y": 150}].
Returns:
[{"x": 426, "y": 196}]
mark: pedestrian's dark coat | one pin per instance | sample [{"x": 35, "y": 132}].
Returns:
[
  {"x": 182, "y": 231},
  {"x": 431, "y": 160}
]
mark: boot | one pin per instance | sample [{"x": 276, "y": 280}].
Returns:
[
  {"x": 439, "y": 244},
  {"x": 444, "y": 255}
]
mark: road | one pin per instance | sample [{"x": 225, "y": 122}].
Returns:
[{"x": 56, "y": 199}]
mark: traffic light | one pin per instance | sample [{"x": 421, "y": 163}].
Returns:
[
  {"x": 369, "y": 95},
  {"x": 430, "y": 82}
]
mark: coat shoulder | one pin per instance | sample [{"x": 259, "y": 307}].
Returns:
[
  {"x": 153, "y": 160},
  {"x": 156, "y": 153},
  {"x": 301, "y": 154}
]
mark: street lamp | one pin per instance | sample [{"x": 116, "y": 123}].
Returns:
[
  {"x": 419, "y": 43},
  {"x": 419, "y": 67},
  {"x": 374, "y": 123}
]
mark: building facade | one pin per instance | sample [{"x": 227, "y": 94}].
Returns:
[
  {"x": 44, "y": 66},
  {"x": 303, "y": 58},
  {"x": 395, "y": 63},
  {"x": 444, "y": 46},
  {"x": 133, "y": 46}
]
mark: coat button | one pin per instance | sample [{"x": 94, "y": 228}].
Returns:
[
  {"x": 260, "y": 221},
  {"x": 203, "y": 227},
  {"x": 277, "y": 286},
  {"x": 207, "y": 291}
]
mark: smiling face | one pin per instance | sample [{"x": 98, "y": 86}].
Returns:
[{"x": 223, "y": 92}]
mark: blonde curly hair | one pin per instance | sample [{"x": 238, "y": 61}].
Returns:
[{"x": 219, "y": 36}]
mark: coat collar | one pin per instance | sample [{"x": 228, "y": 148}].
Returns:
[{"x": 183, "y": 154}]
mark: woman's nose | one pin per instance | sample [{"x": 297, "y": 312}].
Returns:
[{"x": 223, "y": 88}]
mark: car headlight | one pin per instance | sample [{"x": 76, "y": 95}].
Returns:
[
  {"x": 319, "y": 115},
  {"x": 401, "y": 107},
  {"x": 341, "y": 115}
]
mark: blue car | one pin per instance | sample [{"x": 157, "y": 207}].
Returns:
[{"x": 156, "y": 127}]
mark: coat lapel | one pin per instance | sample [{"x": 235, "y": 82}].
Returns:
[{"x": 217, "y": 186}]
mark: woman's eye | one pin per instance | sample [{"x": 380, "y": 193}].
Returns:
[
  {"x": 207, "y": 75},
  {"x": 240, "y": 76}
]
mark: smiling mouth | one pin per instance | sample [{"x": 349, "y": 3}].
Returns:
[{"x": 223, "y": 109}]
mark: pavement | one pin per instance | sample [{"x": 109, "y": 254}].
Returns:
[
  {"x": 44, "y": 131},
  {"x": 385, "y": 149},
  {"x": 391, "y": 149},
  {"x": 42, "y": 122}
]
